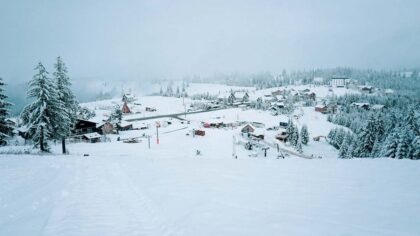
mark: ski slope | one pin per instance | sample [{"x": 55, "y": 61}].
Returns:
[{"x": 127, "y": 189}]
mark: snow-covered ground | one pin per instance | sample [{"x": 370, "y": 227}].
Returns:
[{"x": 127, "y": 189}]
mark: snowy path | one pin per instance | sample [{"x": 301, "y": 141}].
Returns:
[{"x": 116, "y": 207}]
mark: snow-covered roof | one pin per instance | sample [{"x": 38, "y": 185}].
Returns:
[
  {"x": 360, "y": 104},
  {"x": 100, "y": 124},
  {"x": 377, "y": 106},
  {"x": 365, "y": 86},
  {"x": 278, "y": 104},
  {"x": 320, "y": 106},
  {"x": 125, "y": 123},
  {"x": 92, "y": 135},
  {"x": 220, "y": 121},
  {"x": 258, "y": 131}
]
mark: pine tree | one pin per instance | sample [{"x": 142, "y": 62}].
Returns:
[
  {"x": 116, "y": 115},
  {"x": 342, "y": 153},
  {"x": 295, "y": 139},
  {"x": 5, "y": 129},
  {"x": 298, "y": 146},
  {"x": 350, "y": 149},
  {"x": 376, "y": 150},
  {"x": 403, "y": 145},
  {"x": 68, "y": 106},
  {"x": 40, "y": 115},
  {"x": 290, "y": 131},
  {"x": 304, "y": 134},
  {"x": 368, "y": 136},
  {"x": 390, "y": 145}
]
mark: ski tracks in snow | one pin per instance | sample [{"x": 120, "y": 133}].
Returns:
[{"x": 101, "y": 199}]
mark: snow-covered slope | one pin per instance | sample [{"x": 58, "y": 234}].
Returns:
[{"x": 137, "y": 191}]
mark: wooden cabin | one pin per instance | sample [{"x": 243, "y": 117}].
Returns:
[
  {"x": 125, "y": 109},
  {"x": 199, "y": 132},
  {"x": 84, "y": 127},
  {"x": 248, "y": 129},
  {"x": 106, "y": 128}
]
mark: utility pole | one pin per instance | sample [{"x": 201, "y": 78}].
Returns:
[
  {"x": 148, "y": 139},
  {"x": 157, "y": 131}
]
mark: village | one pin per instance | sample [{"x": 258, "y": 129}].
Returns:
[{"x": 256, "y": 122}]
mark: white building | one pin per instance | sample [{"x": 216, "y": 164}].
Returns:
[{"x": 339, "y": 82}]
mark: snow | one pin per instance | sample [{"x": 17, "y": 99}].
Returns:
[{"x": 165, "y": 192}]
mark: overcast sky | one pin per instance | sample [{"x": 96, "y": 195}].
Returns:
[{"x": 167, "y": 39}]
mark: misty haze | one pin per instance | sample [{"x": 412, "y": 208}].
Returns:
[{"x": 209, "y": 117}]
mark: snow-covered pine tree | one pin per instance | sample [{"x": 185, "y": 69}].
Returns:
[
  {"x": 390, "y": 146},
  {"x": 298, "y": 146},
  {"x": 342, "y": 153},
  {"x": 304, "y": 135},
  {"x": 5, "y": 129},
  {"x": 403, "y": 145},
  {"x": 290, "y": 130},
  {"x": 368, "y": 136},
  {"x": 350, "y": 149},
  {"x": 295, "y": 140},
  {"x": 40, "y": 115},
  {"x": 67, "y": 109},
  {"x": 116, "y": 115},
  {"x": 376, "y": 150}
]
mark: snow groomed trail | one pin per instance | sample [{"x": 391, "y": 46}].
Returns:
[{"x": 115, "y": 207}]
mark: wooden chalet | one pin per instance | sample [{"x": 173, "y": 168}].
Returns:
[
  {"x": 248, "y": 129},
  {"x": 124, "y": 126},
  {"x": 321, "y": 108},
  {"x": 331, "y": 108},
  {"x": 361, "y": 105},
  {"x": 125, "y": 109},
  {"x": 84, "y": 127},
  {"x": 106, "y": 128}
]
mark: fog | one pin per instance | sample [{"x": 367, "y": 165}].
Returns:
[{"x": 138, "y": 40}]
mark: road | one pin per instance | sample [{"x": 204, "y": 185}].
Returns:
[{"x": 173, "y": 115}]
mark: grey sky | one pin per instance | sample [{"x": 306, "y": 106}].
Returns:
[{"x": 146, "y": 39}]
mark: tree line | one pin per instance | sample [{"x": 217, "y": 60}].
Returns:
[
  {"x": 52, "y": 112},
  {"x": 393, "y": 131}
]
